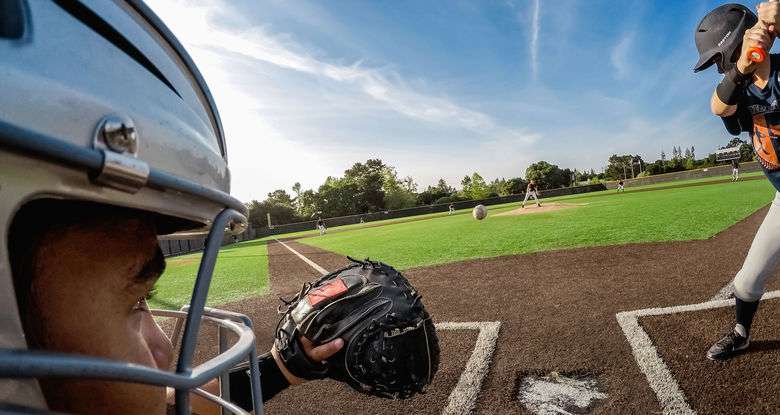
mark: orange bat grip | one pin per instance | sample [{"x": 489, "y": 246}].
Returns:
[{"x": 756, "y": 55}]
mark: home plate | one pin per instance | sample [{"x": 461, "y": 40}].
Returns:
[{"x": 557, "y": 394}]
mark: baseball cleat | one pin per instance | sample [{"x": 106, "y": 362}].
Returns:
[{"x": 728, "y": 346}]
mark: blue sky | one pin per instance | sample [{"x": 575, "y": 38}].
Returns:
[{"x": 445, "y": 88}]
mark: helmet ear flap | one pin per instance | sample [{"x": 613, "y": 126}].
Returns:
[
  {"x": 725, "y": 64},
  {"x": 735, "y": 54}
]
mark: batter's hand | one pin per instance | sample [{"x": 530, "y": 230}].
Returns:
[
  {"x": 757, "y": 36},
  {"x": 769, "y": 15}
]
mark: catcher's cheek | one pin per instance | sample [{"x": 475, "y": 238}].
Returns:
[{"x": 158, "y": 343}]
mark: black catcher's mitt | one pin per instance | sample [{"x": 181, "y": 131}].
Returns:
[{"x": 390, "y": 344}]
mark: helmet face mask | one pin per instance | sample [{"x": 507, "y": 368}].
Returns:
[{"x": 177, "y": 171}]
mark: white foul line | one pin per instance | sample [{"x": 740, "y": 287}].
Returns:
[
  {"x": 311, "y": 263},
  {"x": 666, "y": 388},
  {"x": 463, "y": 397}
]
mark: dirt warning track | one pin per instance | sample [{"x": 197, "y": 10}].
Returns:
[{"x": 557, "y": 314}]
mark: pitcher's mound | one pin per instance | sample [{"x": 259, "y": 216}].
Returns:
[{"x": 546, "y": 207}]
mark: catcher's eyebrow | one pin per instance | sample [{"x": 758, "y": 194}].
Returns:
[{"x": 152, "y": 268}]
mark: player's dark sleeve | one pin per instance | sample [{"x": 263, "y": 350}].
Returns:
[
  {"x": 272, "y": 381},
  {"x": 732, "y": 124},
  {"x": 739, "y": 122}
]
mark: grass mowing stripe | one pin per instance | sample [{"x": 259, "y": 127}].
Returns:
[
  {"x": 664, "y": 215},
  {"x": 241, "y": 271}
]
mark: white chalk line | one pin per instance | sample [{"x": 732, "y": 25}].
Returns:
[
  {"x": 667, "y": 390},
  {"x": 725, "y": 292},
  {"x": 463, "y": 398},
  {"x": 311, "y": 263}
]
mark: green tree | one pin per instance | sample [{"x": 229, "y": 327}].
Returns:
[
  {"x": 309, "y": 203},
  {"x": 399, "y": 193},
  {"x": 297, "y": 190},
  {"x": 516, "y": 185},
  {"x": 548, "y": 176},
  {"x": 624, "y": 166},
  {"x": 479, "y": 189},
  {"x": 474, "y": 187},
  {"x": 340, "y": 197},
  {"x": 399, "y": 198},
  {"x": 255, "y": 217},
  {"x": 280, "y": 197},
  {"x": 368, "y": 179},
  {"x": 500, "y": 187},
  {"x": 433, "y": 193},
  {"x": 278, "y": 204}
]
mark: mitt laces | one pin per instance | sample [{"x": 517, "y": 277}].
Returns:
[{"x": 386, "y": 352}]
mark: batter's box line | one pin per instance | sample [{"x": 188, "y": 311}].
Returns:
[
  {"x": 463, "y": 397},
  {"x": 667, "y": 390}
]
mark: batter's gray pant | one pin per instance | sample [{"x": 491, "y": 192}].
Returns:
[{"x": 763, "y": 257}]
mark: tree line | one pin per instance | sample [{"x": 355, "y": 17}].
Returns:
[
  {"x": 628, "y": 166},
  {"x": 374, "y": 186}
]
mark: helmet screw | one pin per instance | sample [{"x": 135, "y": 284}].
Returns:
[{"x": 119, "y": 134}]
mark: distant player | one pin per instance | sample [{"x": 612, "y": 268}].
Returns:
[
  {"x": 530, "y": 191},
  {"x": 746, "y": 99},
  {"x": 452, "y": 209},
  {"x": 734, "y": 170},
  {"x": 620, "y": 186},
  {"x": 321, "y": 226}
]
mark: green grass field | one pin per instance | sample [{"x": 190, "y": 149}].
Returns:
[
  {"x": 506, "y": 206},
  {"x": 241, "y": 271},
  {"x": 606, "y": 218}
]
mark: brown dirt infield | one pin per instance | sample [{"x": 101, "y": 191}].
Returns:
[
  {"x": 746, "y": 384},
  {"x": 557, "y": 311},
  {"x": 546, "y": 207}
]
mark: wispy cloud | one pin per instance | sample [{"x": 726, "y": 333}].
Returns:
[
  {"x": 273, "y": 92},
  {"x": 303, "y": 97},
  {"x": 534, "y": 44},
  {"x": 282, "y": 51},
  {"x": 620, "y": 54}
]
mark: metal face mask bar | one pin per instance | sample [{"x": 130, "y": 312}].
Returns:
[{"x": 21, "y": 363}]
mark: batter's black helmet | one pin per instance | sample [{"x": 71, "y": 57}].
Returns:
[{"x": 719, "y": 36}]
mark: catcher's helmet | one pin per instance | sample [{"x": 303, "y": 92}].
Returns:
[
  {"x": 719, "y": 36},
  {"x": 102, "y": 104}
]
